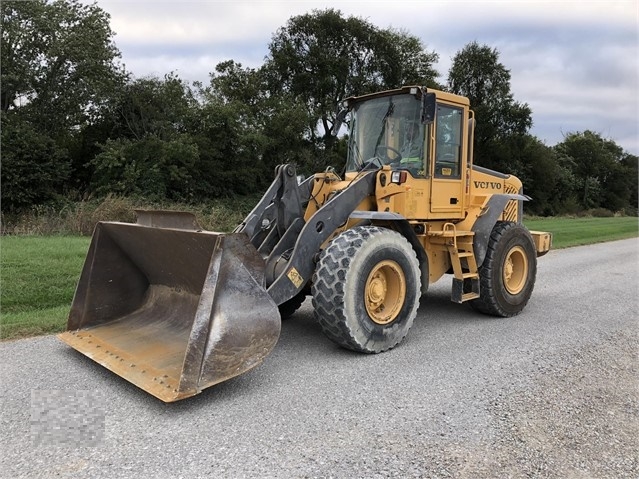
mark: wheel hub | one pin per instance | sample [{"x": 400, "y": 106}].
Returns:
[
  {"x": 515, "y": 270},
  {"x": 385, "y": 292},
  {"x": 377, "y": 290}
]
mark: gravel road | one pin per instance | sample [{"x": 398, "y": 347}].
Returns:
[{"x": 551, "y": 393}]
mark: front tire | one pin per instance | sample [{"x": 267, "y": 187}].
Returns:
[
  {"x": 288, "y": 308},
  {"x": 508, "y": 273},
  {"x": 366, "y": 289}
]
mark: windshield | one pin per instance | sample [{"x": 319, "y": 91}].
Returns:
[{"x": 387, "y": 131}]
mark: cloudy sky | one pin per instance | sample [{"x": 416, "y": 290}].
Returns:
[{"x": 576, "y": 63}]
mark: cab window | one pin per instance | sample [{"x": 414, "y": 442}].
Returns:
[{"x": 448, "y": 146}]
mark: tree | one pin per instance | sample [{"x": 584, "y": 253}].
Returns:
[
  {"x": 150, "y": 150},
  {"x": 59, "y": 69},
  {"x": 477, "y": 74},
  {"x": 58, "y": 62},
  {"x": 152, "y": 106},
  {"x": 605, "y": 174},
  {"x": 34, "y": 167},
  {"x": 151, "y": 166},
  {"x": 535, "y": 164},
  {"x": 322, "y": 57},
  {"x": 631, "y": 165},
  {"x": 271, "y": 126}
]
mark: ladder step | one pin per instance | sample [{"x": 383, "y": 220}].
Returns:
[
  {"x": 470, "y": 275},
  {"x": 451, "y": 234},
  {"x": 459, "y": 293},
  {"x": 465, "y": 254}
]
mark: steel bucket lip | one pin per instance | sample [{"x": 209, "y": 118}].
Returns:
[
  {"x": 152, "y": 380},
  {"x": 147, "y": 346}
]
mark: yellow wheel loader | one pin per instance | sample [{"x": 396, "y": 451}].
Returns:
[{"x": 174, "y": 309}]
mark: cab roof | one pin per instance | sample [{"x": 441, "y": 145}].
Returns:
[{"x": 406, "y": 90}]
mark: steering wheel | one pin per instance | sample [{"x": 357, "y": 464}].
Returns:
[
  {"x": 385, "y": 149},
  {"x": 373, "y": 162}
]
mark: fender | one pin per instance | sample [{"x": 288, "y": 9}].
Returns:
[
  {"x": 403, "y": 226},
  {"x": 485, "y": 223}
]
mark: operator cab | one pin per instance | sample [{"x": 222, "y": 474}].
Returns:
[{"x": 424, "y": 132}]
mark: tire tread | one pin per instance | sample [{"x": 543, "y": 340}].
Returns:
[
  {"x": 328, "y": 286},
  {"x": 488, "y": 302}
]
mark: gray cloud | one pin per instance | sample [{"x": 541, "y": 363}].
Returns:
[{"x": 574, "y": 63}]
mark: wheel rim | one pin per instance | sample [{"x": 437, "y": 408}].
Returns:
[
  {"x": 385, "y": 292},
  {"x": 515, "y": 270}
]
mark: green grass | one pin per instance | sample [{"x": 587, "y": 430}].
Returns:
[
  {"x": 38, "y": 274},
  {"x": 581, "y": 231}
]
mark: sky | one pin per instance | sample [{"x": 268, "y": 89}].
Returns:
[{"x": 575, "y": 63}]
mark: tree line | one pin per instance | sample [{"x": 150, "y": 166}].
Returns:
[{"x": 76, "y": 124}]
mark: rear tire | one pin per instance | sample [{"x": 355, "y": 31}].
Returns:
[
  {"x": 288, "y": 308},
  {"x": 507, "y": 275},
  {"x": 366, "y": 289}
]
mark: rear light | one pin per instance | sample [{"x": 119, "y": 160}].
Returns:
[{"x": 399, "y": 177}]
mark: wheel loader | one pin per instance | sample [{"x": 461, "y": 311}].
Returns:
[{"x": 175, "y": 309}]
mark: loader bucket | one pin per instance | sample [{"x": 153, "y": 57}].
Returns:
[{"x": 173, "y": 311}]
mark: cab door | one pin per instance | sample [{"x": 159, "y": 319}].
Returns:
[{"x": 447, "y": 185}]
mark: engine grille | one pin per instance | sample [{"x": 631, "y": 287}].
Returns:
[{"x": 512, "y": 207}]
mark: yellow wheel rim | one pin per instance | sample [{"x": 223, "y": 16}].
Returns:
[
  {"x": 385, "y": 292},
  {"x": 515, "y": 270}
]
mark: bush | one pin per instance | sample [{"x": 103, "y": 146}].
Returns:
[
  {"x": 151, "y": 167},
  {"x": 629, "y": 211},
  {"x": 80, "y": 218},
  {"x": 34, "y": 167},
  {"x": 115, "y": 208},
  {"x": 600, "y": 213}
]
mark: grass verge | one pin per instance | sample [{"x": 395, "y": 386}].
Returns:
[
  {"x": 38, "y": 274},
  {"x": 581, "y": 231}
]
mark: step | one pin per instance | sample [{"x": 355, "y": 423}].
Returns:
[
  {"x": 458, "y": 295},
  {"x": 469, "y": 296},
  {"x": 451, "y": 233}
]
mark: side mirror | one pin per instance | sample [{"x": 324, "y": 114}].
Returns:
[
  {"x": 339, "y": 121},
  {"x": 428, "y": 108}
]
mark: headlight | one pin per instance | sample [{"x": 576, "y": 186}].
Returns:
[{"x": 398, "y": 177}]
